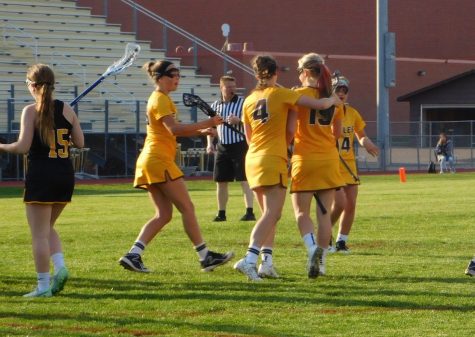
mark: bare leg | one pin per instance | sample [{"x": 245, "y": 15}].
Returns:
[
  {"x": 39, "y": 218},
  {"x": 54, "y": 241},
  {"x": 248, "y": 195},
  {"x": 222, "y": 195},
  {"x": 301, "y": 203},
  {"x": 324, "y": 220},
  {"x": 272, "y": 199},
  {"x": 163, "y": 215},
  {"x": 348, "y": 215}
]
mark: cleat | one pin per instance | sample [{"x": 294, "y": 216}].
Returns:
[
  {"x": 470, "y": 268},
  {"x": 267, "y": 271},
  {"x": 219, "y": 218},
  {"x": 341, "y": 247},
  {"x": 314, "y": 258},
  {"x": 133, "y": 262},
  {"x": 214, "y": 260},
  {"x": 248, "y": 269},
  {"x": 36, "y": 293},
  {"x": 59, "y": 280},
  {"x": 248, "y": 217}
]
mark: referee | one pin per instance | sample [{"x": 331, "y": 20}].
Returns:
[{"x": 230, "y": 150}]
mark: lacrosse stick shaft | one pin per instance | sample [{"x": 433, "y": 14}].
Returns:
[
  {"x": 226, "y": 124},
  {"x": 347, "y": 167},
  {"x": 85, "y": 92}
]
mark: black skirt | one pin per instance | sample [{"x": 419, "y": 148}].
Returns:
[{"x": 49, "y": 181}]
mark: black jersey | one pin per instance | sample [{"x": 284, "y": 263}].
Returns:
[
  {"x": 50, "y": 173},
  {"x": 62, "y": 134}
]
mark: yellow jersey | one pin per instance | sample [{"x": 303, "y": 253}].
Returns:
[
  {"x": 314, "y": 139},
  {"x": 159, "y": 141},
  {"x": 352, "y": 121},
  {"x": 266, "y": 112}
]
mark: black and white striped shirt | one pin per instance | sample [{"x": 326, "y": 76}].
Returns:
[{"x": 224, "y": 109}]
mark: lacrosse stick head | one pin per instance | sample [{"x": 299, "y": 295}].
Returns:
[
  {"x": 191, "y": 100},
  {"x": 130, "y": 54}
]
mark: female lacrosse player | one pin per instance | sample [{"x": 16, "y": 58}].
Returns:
[
  {"x": 265, "y": 122},
  {"x": 47, "y": 129},
  {"x": 157, "y": 172},
  {"x": 344, "y": 205},
  {"x": 315, "y": 163}
]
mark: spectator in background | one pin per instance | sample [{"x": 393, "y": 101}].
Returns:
[
  {"x": 444, "y": 151},
  {"x": 230, "y": 151}
]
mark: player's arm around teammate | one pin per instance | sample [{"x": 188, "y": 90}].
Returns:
[
  {"x": 46, "y": 130},
  {"x": 315, "y": 163},
  {"x": 344, "y": 206},
  {"x": 265, "y": 119},
  {"x": 157, "y": 172}
]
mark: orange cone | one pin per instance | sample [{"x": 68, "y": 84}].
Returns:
[{"x": 402, "y": 174}]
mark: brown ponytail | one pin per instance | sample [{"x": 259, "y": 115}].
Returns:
[{"x": 43, "y": 80}]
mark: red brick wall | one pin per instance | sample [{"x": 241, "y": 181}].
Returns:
[{"x": 432, "y": 29}]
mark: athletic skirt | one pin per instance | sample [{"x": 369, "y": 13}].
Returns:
[
  {"x": 266, "y": 171},
  {"x": 151, "y": 169},
  {"x": 49, "y": 181},
  {"x": 315, "y": 175},
  {"x": 345, "y": 173}
]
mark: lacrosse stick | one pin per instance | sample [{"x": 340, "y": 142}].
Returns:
[
  {"x": 191, "y": 100},
  {"x": 131, "y": 52}
]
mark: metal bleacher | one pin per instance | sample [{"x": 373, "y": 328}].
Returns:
[{"x": 80, "y": 46}]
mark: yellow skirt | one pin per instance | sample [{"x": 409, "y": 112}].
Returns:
[
  {"x": 151, "y": 169},
  {"x": 347, "y": 177},
  {"x": 315, "y": 175},
  {"x": 266, "y": 171}
]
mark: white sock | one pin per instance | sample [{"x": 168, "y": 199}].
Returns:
[
  {"x": 43, "y": 281},
  {"x": 342, "y": 237},
  {"x": 202, "y": 251},
  {"x": 310, "y": 241},
  {"x": 137, "y": 248},
  {"x": 266, "y": 255},
  {"x": 58, "y": 261},
  {"x": 252, "y": 255}
]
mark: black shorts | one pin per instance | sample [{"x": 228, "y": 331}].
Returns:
[
  {"x": 229, "y": 162},
  {"x": 49, "y": 181}
]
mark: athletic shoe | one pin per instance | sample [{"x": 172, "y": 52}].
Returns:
[
  {"x": 267, "y": 271},
  {"x": 219, "y": 218},
  {"x": 341, "y": 247},
  {"x": 314, "y": 257},
  {"x": 213, "y": 260},
  {"x": 59, "y": 280},
  {"x": 133, "y": 262},
  {"x": 470, "y": 269},
  {"x": 248, "y": 217},
  {"x": 331, "y": 247},
  {"x": 248, "y": 269},
  {"x": 36, "y": 293}
]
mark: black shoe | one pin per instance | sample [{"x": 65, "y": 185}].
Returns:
[
  {"x": 248, "y": 217},
  {"x": 219, "y": 218},
  {"x": 342, "y": 247},
  {"x": 470, "y": 269},
  {"x": 133, "y": 262},
  {"x": 214, "y": 260}
]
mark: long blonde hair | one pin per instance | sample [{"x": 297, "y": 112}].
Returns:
[{"x": 43, "y": 81}]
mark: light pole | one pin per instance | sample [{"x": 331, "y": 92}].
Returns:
[{"x": 386, "y": 77}]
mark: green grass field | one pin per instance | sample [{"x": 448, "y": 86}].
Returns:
[{"x": 405, "y": 277}]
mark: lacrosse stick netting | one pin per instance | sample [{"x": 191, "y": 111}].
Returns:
[{"x": 131, "y": 52}]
